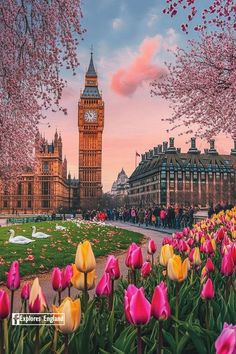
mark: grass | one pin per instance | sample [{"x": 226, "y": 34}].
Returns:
[{"x": 59, "y": 250}]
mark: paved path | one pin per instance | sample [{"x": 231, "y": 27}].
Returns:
[{"x": 45, "y": 279}]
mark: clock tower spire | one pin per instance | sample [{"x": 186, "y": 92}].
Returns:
[{"x": 90, "y": 123}]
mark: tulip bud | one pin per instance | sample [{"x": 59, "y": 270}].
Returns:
[
  {"x": 209, "y": 265},
  {"x": 152, "y": 247},
  {"x": 177, "y": 270},
  {"x": 160, "y": 304},
  {"x": 167, "y": 252},
  {"x": 226, "y": 342},
  {"x": 13, "y": 277},
  {"x": 37, "y": 302},
  {"x": 227, "y": 265},
  {"x": 104, "y": 285},
  {"x": 77, "y": 279},
  {"x": 4, "y": 304},
  {"x": 146, "y": 269},
  {"x": 72, "y": 314},
  {"x": 25, "y": 291},
  {"x": 112, "y": 267},
  {"x": 137, "y": 307},
  {"x": 84, "y": 259},
  {"x": 56, "y": 279},
  {"x": 207, "y": 290}
]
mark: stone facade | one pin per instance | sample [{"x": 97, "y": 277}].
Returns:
[
  {"x": 91, "y": 124},
  {"x": 167, "y": 176},
  {"x": 45, "y": 190},
  {"x": 121, "y": 185}
]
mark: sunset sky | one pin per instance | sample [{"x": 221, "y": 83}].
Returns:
[{"x": 130, "y": 40}]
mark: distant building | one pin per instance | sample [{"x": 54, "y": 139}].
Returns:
[
  {"x": 121, "y": 185},
  {"x": 45, "y": 190},
  {"x": 167, "y": 176}
]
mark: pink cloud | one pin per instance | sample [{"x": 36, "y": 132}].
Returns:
[{"x": 125, "y": 81}]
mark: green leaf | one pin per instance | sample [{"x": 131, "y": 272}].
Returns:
[
  {"x": 182, "y": 343},
  {"x": 20, "y": 346},
  {"x": 170, "y": 339}
]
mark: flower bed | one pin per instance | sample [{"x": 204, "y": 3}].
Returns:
[{"x": 182, "y": 301}]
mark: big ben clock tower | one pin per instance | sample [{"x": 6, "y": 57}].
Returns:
[{"x": 91, "y": 123}]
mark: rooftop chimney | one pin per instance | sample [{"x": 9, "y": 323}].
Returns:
[
  {"x": 143, "y": 157},
  {"x": 233, "y": 151},
  {"x": 171, "y": 148},
  {"x": 165, "y": 146},
  {"x": 155, "y": 151},
  {"x": 150, "y": 153},
  {"x": 212, "y": 149},
  {"x": 160, "y": 148},
  {"x": 193, "y": 149}
]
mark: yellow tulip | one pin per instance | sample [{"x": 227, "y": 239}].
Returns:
[
  {"x": 213, "y": 243},
  {"x": 196, "y": 256},
  {"x": 167, "y": 252},
  {"x": 84, "y": 259},
  {"x": 203, "y": 240},
  {"x": 72, "y": 312},
  {"x": 77, "y": 279},
  {"x": 176, "y": 269}
]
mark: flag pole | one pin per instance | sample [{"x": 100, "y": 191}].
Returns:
[{"x": 135, "y": 159}]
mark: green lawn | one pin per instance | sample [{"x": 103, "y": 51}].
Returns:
[{"x": 59, "y": 250}]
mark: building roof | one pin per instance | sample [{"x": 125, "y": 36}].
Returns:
[
  {"x": 91, "y": 92},
  {"x": 91, "y": 72}
]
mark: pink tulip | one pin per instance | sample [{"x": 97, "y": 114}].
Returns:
[
  {"x": 208, "y": 248},
  {"x": 160, "y": 303},
  {"x": 4, "y": 304},
  {"x": 25, "y": 291},
  {"x": 190, "y": 256},
  {"x": 207, "y": 290},
  {"x": 209, "y": 265},
  {"x": 104, "y": 285},
  {"x": 152, "y": 247},
  {"x": 112, "y": 267},
  {"x": 67, "y": 274},
  {"x": 131, "y": 248},
  {"x": 137, "y": 307},
  {"x": 167, "y": 240},
  {"x": 136, "y": 259},
  {"x": 226, "y": 342},
  {"x": 227, "y": 265},
  {"x": 57, "y": 279},
  {"x": 183, "y": 246},
  {"x": 13, "y": 276},
  {"x": 233, "y": 252},
  {"x": 146, "y": 269},
  {"x": 220, "y": 234}
]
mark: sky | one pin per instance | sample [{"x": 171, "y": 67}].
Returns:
[{"x": 131, "y": 41}]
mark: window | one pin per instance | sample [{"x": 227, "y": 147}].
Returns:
[
  {"x": 45, "y": 203},
  {"x": 45, "y": 166},
  {"x": 187, "y": 176},
  {"x": 45, "y": 188},
  {"x": 18, "y": 203},
  {"x": 180, "y": 175},
  {"x": 172, "y": 175},
  {"x": 29, "y": 188},
  {"x": 29, "y": 203},
  {"x": 5, "y": 204},
  {"x": 19, "y": 189},
  {"x": 195, "y": 176}
]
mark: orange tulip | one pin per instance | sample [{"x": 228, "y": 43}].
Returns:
[
  {"x": 84, "y": 259},
  {"x": 196, "y": 256},
  {"x": 37, "y": 302},
  {"x": 77, "y": 279},
  {"x": 72, "y": 312},
  {"x": 176, "y": 269},
  {"x": 167, "y": 251}
]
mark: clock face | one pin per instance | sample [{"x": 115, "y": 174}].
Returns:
[{"x": 90, "y": 116}]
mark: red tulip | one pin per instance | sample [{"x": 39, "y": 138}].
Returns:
[
  {"x": 152, "y": 247},
  {"x": 137, "y": 307},
  {"x": 25, "y": 291},
  {"x": 160, "y": 303},
  {"x": 13, "y": 277},
  {"x": 226, "y": 342},
  {"x": 183, "y": 246},
  {"x": 209, "y": 265},
  {"x": 146, "y": 269},
  {"x": 227, "y": 265},
  {"x": 207, "y": 290},
  {"x": 57, "y": 279},
  {"x": 104, "y": 285},
  {"x": 112, "y": 267},
  {"x": 67, "y": 274},
  {"x": 131, "y": 248},
  {"x": 4, "y": 304}
]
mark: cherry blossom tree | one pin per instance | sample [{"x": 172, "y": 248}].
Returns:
[
  {"x": 216, "y": 12},
  {"x": 201, "y": 85},
  {"x": 38, "y": 40}
]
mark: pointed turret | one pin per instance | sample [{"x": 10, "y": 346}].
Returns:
[
  {"x": 91, "y": 72},
  {"x": 91, "y": 82}
]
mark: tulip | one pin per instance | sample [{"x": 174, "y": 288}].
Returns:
[
  {"x": 160, "y": 304},
  {"x": 227, "y": 265},
  {"x": 67, "y": 274},
  {"x": 167, "y": 252},
  {"x": 4, "y": 304},
  {"x": 137, "y": 307},
  {"x": 152, "y": 247},
  {"x": 209, "y": 265},
  {"x": 72, "y": 312},
  {"x": 176, "y": 269},
  {"x": 131, "y": 248},
  {"x": 146, "y": 269},
  {"x": 104, "y": 285},
  {"x": 25, "y": 291},
  {"x": 13, "y": 277},
  {"x": 226, "y": 342},
  {"x": 196, "y": 257},
  {"x": 207, "y": 290},
  {"x": 84, "y": 259},
  {"x": 134, "y": 258},
  {"x": 112, "y": 267},
  {"x": 77, "y": 279},
  {"x": 56, "y": 279},
  {"x": 183, "y": 246},
  {"x": 37, "y": 302},
  {"x": 190, "y": 256}
]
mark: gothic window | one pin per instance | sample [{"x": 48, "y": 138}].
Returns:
[
  {"x": 180, "y": 175},
  {"x": 45, "y": 188},
  {"x": 19, "y": 189},
  {"x": 45, "y": 166},
  {"x": 18, "y": 203},
  {"x": 5, "y": 204},
  {"x": 29, "y": 203},
  {"x": 45, "y": 203},
  {"x": 29, "y": 188}
]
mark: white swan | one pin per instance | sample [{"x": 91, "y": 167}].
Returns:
[
  {"x": 60, "y": 227},
  {"x": 39, "y": 234},
  {"x": 21, "y": 240}
]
